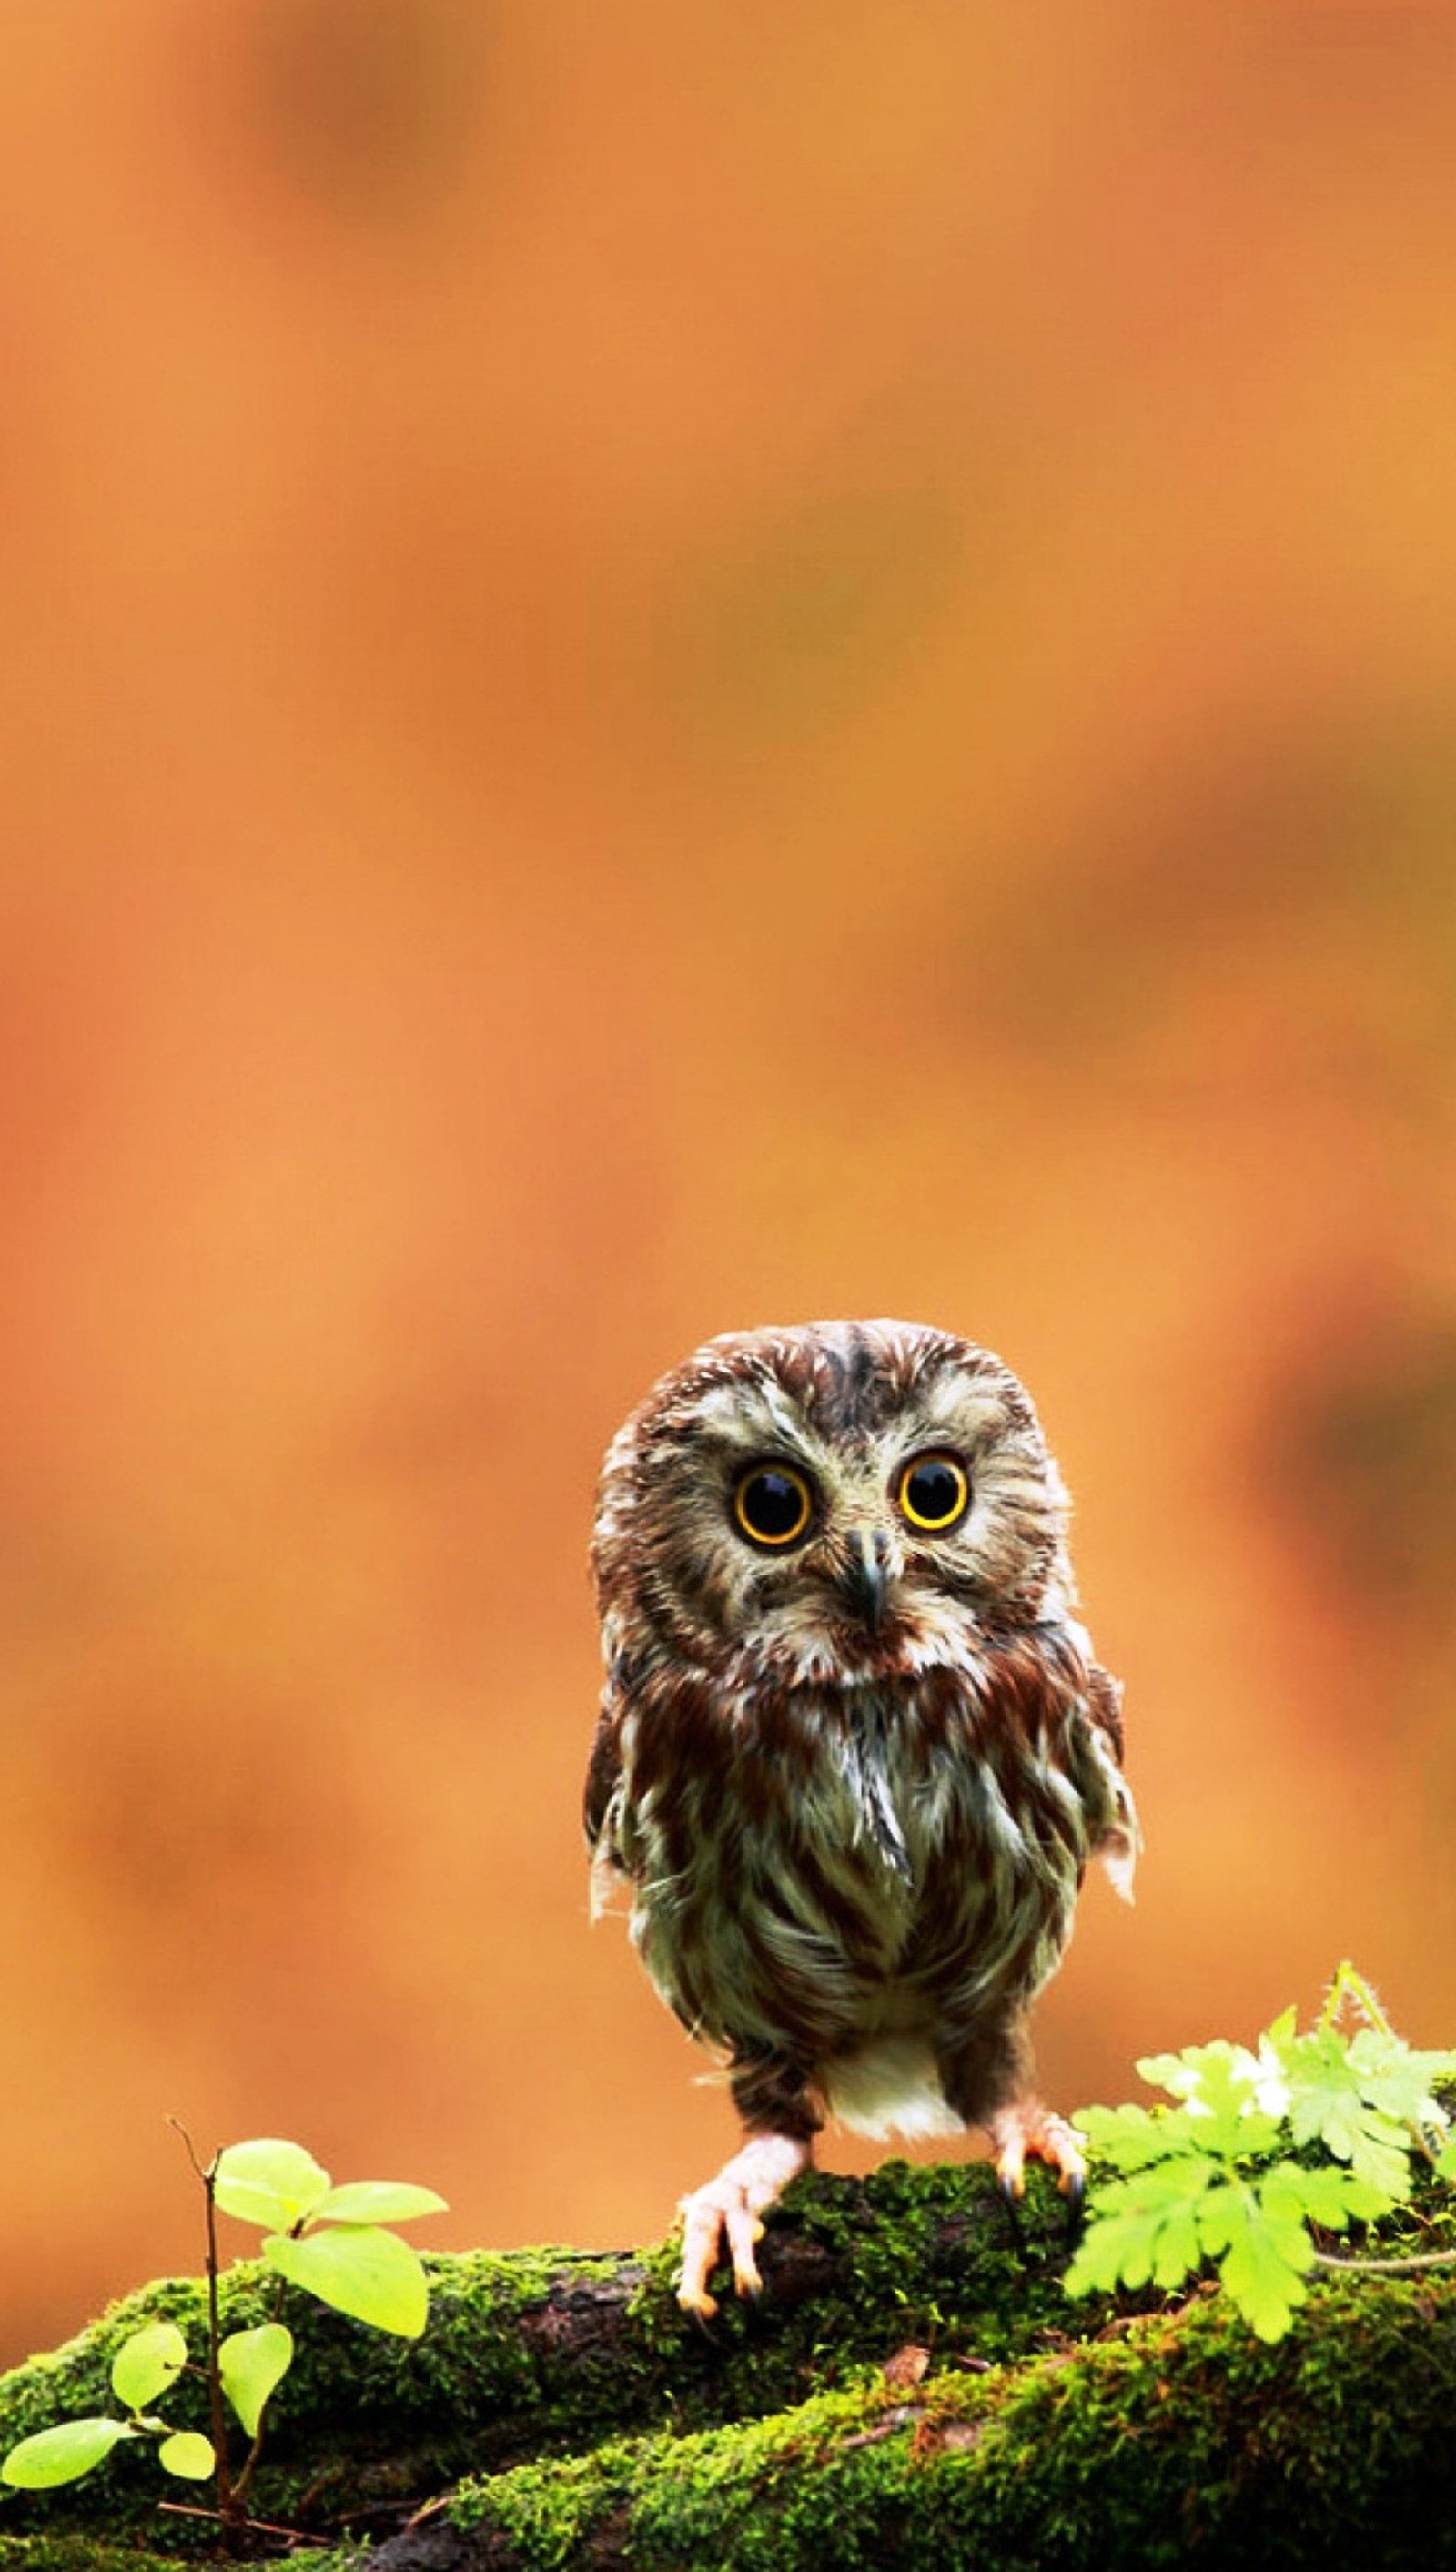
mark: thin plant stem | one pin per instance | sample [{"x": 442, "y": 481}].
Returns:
[
  {"x": 230, "y": 2508},
  {"x": 1416, "y": 2260},
  {"x": 259, "y": 2526},
  {"x": 1351, "y": 1985},
  {"x": 251, "y": 2459}
]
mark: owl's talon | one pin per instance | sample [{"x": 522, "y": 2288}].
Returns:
[
  {"x": 1027, "y": 2127},
  {"x": 1011, "y": 2171},
  {"x": 728, "y": 2210},
  {"x": 744, "y": 2232}
]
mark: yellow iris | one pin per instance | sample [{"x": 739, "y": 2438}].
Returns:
[
  {"x": 773, "y": 1504},
  {"x": 934, "y": 1493}
]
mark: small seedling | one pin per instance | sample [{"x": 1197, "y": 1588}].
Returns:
[
  {"x": 1308, "y": 2133},
  {"x": 334, "y": 2242}
]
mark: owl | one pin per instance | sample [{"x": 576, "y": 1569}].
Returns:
[{"x": 853, "y": 1751}]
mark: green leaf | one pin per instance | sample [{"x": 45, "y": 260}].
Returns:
[
  {"x": 1328, "y": 2105},
  {"x": 1095, "y": 2265},
  {"x": 1134, "y": 2246},
  {"x": 1218, "y": 2085},
  {"x": 188, "y": 2453},
  {"x": 1378, "y": 2150},
  {"x": 1446, "y": 2161},
  {"x": 1365, "y": 2100},
  {"x": 377, "y": 2200},
  {"x": 147, "y": 2363},
  {"x": 1131, "y": 2138},
  {"x": 1332, "y": 2197},
  {"x": 253, "y": 2363},
  {"x": 63, "y": 2454},
  {"x": 1321, "y": 2081},
  {"x": 1144, "y": 2229},
  {"x": 1398, "y": 2078},
  {"x": 360, "y": 2271},
  {"x": 1265, "y": 2252},
  {"x": 1207, "y": 2073},
  {"x": 270, "y": 2182}
]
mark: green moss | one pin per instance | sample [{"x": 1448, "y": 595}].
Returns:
[
  {"x": 928, "y": 2255},
  {"x": 1177, "y": 2442},
  {"x": 940, "y": 2250}
]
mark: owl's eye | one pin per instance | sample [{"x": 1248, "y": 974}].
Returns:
[
  {"x": 773, "y": 1504},
  {"x": 934, "y": 1493}
]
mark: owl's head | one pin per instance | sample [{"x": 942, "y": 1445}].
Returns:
[{"x": 846, "y": 1497}]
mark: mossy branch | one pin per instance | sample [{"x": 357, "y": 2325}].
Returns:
[{"x": 914, "y": 2387}]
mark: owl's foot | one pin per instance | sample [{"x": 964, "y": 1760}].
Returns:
[
  {"x": 1026, "y": 2128},
  {"x": 733, "y": 2204}
]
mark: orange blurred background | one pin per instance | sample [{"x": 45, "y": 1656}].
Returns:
[{"x": 663, "y": 668}]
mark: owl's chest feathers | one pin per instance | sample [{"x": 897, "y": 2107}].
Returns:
[{"x": 849, "y": 1838}]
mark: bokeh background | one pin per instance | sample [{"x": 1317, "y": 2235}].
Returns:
[{"x": 667, "y": 667}]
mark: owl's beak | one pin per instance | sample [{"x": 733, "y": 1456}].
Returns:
[{"x": 867, "y": 1575}]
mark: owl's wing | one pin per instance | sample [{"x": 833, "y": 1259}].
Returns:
[
  {"x": 1104, "y": 1706},
  {"x": 602, "y": 1808},
  {"x": 1120, "y": 1838},
  {"x": 604, "y": 1777}
]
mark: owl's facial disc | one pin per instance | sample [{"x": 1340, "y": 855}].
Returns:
[{"x": 845, "y": 1497}]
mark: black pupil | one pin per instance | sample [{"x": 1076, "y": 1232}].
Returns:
[
  {"x": 934, "y": 1493},
  {"x": 772, "y": 1505}
]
